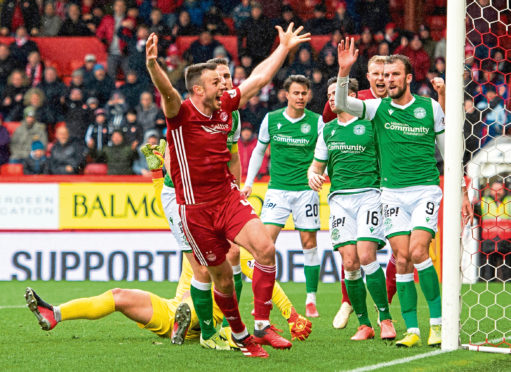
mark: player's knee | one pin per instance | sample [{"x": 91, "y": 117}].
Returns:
[
  {"x": 118, "y": 294},
  {"x": 366, "y": 258},
  {"x": 224, "y": 284},
  {"x": 351, "y": 264},
  {"x": 419, "y": 255},
  {"x": 309, "y": 244},
  {"x": 402, "y": 263}
]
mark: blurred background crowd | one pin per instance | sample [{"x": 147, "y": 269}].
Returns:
[{"x": 94, "y": 119}]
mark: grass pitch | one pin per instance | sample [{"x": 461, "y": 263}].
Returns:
[{"x": 117, "y": 344}]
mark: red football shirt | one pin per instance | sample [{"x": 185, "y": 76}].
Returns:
[
  {"x": 198, "y": 151},
  {"x": 328, "y": 114}
]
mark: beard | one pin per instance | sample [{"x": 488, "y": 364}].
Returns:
[{"x": 400, "y": 92}]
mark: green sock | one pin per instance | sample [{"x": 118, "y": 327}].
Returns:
[
  {"x": 311, "y": 278},
  {"x": 407, "y": 294},
  {"x": 203, "y": 304},
  {"x": 238, "y": 286},
  {"x": 428, "y": 280},
  {"x": 357, "y": 294},
  {"x": 378, "y": 289}
]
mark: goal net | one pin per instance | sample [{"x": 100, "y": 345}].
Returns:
[{"x": 485, "y": 254}]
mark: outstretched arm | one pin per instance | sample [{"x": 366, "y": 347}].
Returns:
[
  {"x": 171, "y": 100},
  {"x": 264, "y": 72}
]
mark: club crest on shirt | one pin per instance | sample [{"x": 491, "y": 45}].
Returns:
[
  {"x": 232, "y": 93},
  {"x": 224, "y": 116},
  {"x": 359, "y": 129},
  {"x": 419, "y": 113},
  {"x": 305, "y": 128}
]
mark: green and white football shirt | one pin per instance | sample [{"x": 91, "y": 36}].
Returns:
[
  {"x": 292, "y": 147},
  {"x": 405, "y": 138},
  {"x": 350, "y": 152}
]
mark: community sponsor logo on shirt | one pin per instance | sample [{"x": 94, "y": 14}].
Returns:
[
  {"x": 406, "y": 129},
  {"x": 290, "y": 140},
  {"x": 345, "y": 148}
]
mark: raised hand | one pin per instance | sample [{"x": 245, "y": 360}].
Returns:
[
  {"x": 290, "y": 38},
  {"x": 438, "y": 85},
  {"x": 346, "y": 56},
  {"x": 151, "y": 48}
]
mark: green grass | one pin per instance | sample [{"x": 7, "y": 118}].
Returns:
[{"x": 117, "y": 344}]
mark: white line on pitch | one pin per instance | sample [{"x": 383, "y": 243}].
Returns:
[
  {"x": 398, "y": 361},
  {"x": 13, "y": 307}
]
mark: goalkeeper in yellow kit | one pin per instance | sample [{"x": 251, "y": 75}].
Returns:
[{"x": 175, "y": 318}]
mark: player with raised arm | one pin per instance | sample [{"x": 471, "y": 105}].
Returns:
[
  {"x": 292, "y": 133},
  {"x": 212, "y": 210},
  {"x": 346, "y": 146},
  {"x": 406, "y": 127}
]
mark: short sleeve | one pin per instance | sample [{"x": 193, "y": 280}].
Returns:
[
  {"x": 321, "y": 124},
  {"x": 236, "y": 135},
  {"x": 177, "y": 121},
  {"x": 438, "y": 116},
  {"x": 370, "y": 108},
  {"x": 264, "y": 132},
  {"x": 231, "y": 100},
  {"x": 321, "y": 151}
]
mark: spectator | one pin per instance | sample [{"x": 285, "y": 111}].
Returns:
[
  {"x": 12, "y": 98},
  {"x": 16, "y": 13},
  {"x": 98, "y": 134},
  {"x": 29, "y": 130},
  {"x": 21, "y": 47},
  {"x": 5, "y": 139},
  {"x": 132, "y": 130},
  {"x": 87, "y": 68},
  {"x": 7, "y": 65},
  {"x": 418, "y": 58},
  {"x": 373, "y": 13},
  {"x": 440, "y": 67},
  {"x": 441, "y": 45},
  {"x": 74, "y": 25},
  {"x": 366, "y": 45},
  {"x": 331, "y": 45},
  {"x": 256, "y": 35},
  {"x": 132, "y": 88},
  {"x": 247, "y": 63},
  {"x": 76, "y": 115},
  {"x": 472, "y": 130},
  {"x": 140, "y": 164},
  {"x": 34, "y": 69},
  {"x": 494, "y": 115},
  {"x": 66, "y": 155},
  {"x": 184, "y": 26},
  {"x": 391, "y": 36},
  {"x": 36, "y": 162},
  {"x": 91, "y": 15},
  {"x": 279, "y": 100},
  {"x": 495, "y": 211},
  {"x": 428, "y": 43},
  {"x": 287, "y": 16},
  {"x": 50, "y": 21},
  {"x": 202, "y": 49},
  {"x": 107, "y": 32},
  {"x": 92, "y": 104},
  {"x": 254, "y": 112},
  {"x": 161, "y": 124},
  {"x": 241, "y": 13},
  {"x": 197, "y": 9},
  {"x": 239, "y": 76},
  {"x": 342, "y": 21},
  {"x": 147, "y": 111},
  {"x": 214, "y": 22},
  {"x": 35, "y": 97},
  {"x": 169, "y": 9},
  {"x": 118, "y": 156},
  {"x": 101, "y": 86},
  {"x": 115, "y": 109},
  {"x": 383, "y": 49},
  {"x": 503, "y": 66},
  {"x": 157, "y": 25},
  {"x": 246, "y": 145},
  {"x": 303, "y": 65},
  {"x": 77, "y": 82},
  {"x": 135, "y": 51},
  {"x": 54, "y": 90},
  {"x": 318, "y": 89},
  {"x": 319, "y": 24}
]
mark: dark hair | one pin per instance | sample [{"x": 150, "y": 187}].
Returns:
[
  {"x": 299, "y": 79},
  {"x": 219, "y": 61},
  {"x": 352, "y": 85},
  {"x": 193, "y": 74},
  {"x": 399, "y": 57}
]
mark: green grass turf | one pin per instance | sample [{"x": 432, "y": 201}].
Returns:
[{"x": 117, "y": 344}]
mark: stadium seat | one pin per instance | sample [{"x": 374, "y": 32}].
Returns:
[
  {"x": 97, "y": 169},
  {"x": 11, "y": 169},
  {"x": 436, "y": 23},
  {"x": 11, "y": 126},
  {"x": 230, "y": 24}
]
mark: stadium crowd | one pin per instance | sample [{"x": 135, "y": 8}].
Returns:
[{"x": 104, "y": 112}]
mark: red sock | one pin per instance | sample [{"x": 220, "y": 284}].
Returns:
[
  {"x": 391, "y": 278},
  {"x": 345, "y": 297},
  {"x": 229, "y": 306},
  {"x": 263, "y": 281}
]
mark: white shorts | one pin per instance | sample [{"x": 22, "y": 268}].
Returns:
[
  {"x": 356, "y": 217},
  {"x": 171, "y": 210},
  {"x": 304, "y": 205},
  {"x": 410, "y": 208}
]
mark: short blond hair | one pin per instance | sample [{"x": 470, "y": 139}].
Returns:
[{"x": 377, "y": 59}]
